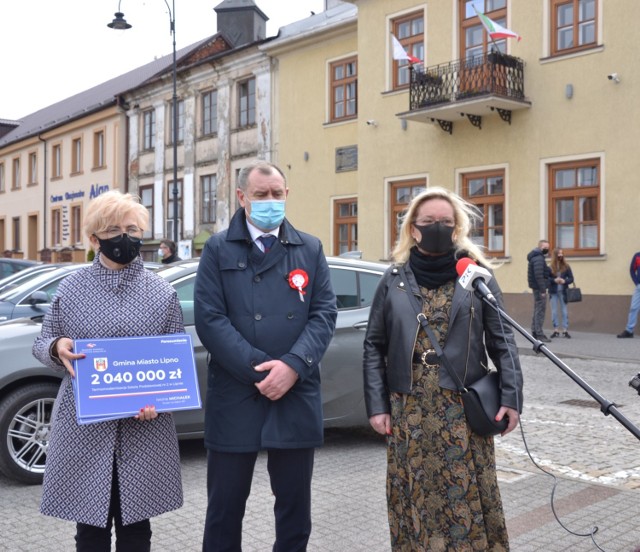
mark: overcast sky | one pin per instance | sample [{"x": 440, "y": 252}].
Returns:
[{"x": 53, "y": 49}]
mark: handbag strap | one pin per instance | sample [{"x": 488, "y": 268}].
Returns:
[{"x": 422, "y": 320}]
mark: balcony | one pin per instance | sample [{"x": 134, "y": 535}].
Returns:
[{"x": 486, "y": 85}]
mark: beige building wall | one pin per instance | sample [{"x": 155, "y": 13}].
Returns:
[
  {"x": 17, "y": 204},
  {"x": 220, "y": 154},
  {"x": 306, "y": 141},
  {"x": 33, "y": 202},
  {"x": 597, "y": 120}
]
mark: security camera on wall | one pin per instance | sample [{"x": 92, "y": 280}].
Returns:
[{"x": 613, "y": 77}]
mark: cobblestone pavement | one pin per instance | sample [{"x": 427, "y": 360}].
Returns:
[
  {"x": 564, "y": 428},
  {"x": 594, "y": 458}
]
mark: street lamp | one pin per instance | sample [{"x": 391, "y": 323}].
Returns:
[{"x": 119, "y": 23}]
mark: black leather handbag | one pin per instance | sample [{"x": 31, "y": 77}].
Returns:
[
  {"x": 481, "y": 399},
  {"x": 574, "y": 294},
  {"x": 481, "y": 404}
]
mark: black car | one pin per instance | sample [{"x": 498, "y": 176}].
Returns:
[{"x": 28, "y": 389}]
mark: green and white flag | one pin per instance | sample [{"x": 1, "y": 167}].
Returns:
[{"x": 494, "y": 30}]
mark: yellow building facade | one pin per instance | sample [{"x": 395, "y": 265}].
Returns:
[
  {"x": 539, "y": 133},
  {"x": 306, "y": 139}
]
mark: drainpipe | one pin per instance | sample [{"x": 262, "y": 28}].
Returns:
[
  {"x": 125, "y": 107},
  {"x": 44, "y": 205}
]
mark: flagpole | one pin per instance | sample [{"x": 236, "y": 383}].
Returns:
[
  {"x": 497, "y": 49},
  {"x": 482, "y": 18}
]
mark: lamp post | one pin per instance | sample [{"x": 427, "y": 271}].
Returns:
[{"x": 119, "y": 23}]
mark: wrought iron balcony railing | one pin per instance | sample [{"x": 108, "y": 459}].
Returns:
[
  {"x": 474, "y": 87},
  {"x": 493, "y": 73}
]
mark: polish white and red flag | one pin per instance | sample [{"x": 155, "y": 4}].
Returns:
[{"x": 399, "y": 53}]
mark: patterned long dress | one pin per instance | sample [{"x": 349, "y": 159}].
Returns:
[{"x": 442, "y": 486}]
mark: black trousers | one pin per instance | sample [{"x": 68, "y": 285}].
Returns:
[
  {"x": 229, "y": 478},
  {"x": 135, "y": 537}
]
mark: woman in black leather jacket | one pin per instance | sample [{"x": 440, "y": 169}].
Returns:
[{"x": 442, "y": 489}]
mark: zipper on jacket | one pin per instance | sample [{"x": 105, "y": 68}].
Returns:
[{"x": 415, "y": 338}]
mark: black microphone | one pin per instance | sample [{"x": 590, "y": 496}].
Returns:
[{"x": 472, "y": 276}]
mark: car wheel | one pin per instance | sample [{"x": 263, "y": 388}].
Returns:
[{"x": 25, "y": 424}]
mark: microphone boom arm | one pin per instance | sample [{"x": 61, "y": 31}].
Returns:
[{"x": 606, "y": 406}]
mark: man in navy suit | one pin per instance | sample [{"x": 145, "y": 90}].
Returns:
[{"x": 266, "y": 311}]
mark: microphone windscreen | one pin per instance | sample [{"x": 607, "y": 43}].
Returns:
[{"x": 463, "y": 264}]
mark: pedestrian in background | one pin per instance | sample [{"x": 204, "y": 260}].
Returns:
[
  {"x": 538, "y": 276},
  {"x": 121, "y": 471},
  {"x": 442, "y": 489},
  {"x": 266, "y": 311},
  {"x": 168, "y": 252},
  {"x": 560, "y": 279},
  {"x": 634, "y": 308}
]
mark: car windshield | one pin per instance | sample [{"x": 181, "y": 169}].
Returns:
[
  {"x": 35, "y": 282},
  {"x": 19, "y": 278},
  {"x": 172, "y": 271}
]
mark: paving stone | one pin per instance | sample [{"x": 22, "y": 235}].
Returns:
[{"x": 593, "y": 458}]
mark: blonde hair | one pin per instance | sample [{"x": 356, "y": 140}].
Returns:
[
  {"x": 465, "y": 215},
  {"x": 110, "y": 208}
]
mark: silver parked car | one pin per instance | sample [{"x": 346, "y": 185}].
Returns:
[
  {"x": 11, "y": 266},
  {"x": 28, "y": 389},
  {"x": 32, "y": 297},
  {"x": 18, "y": 278}
]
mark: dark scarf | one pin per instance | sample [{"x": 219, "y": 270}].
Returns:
[
  {"x": 171, "y": 259},
  {"x": 433, "y": 271}
]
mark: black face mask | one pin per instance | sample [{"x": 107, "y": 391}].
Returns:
[
  {"x": 436, "y": 237},
  {"x": 122, "y": 249},
  {"x": 544, "y": 251}
]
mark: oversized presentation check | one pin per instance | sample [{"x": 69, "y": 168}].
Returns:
[{"x": 119, "y": 376}]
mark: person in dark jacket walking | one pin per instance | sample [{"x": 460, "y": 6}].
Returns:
[
  {"x": 266, "y": 311},
  {"x": 560, "y": 279},
  {"x": 168, "y": 252},
  {"x": 634, "y": 308},
  {"x": 442, "y": 490},
  {"x": 538, "y": 276}
]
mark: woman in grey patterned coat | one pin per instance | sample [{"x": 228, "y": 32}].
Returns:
[{"x": 124, "y": 470}]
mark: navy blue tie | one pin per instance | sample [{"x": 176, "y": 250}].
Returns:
[{"x": 268, "y": 241}]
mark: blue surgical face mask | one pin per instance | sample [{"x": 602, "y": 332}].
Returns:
[{"x": 267, "y": 214}]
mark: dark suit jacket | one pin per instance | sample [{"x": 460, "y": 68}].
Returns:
[{"x": 246, "y": 313}]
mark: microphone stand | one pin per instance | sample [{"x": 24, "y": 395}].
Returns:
[{"x": 606, "y": 406}]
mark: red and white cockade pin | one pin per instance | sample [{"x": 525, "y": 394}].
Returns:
[{"x": 298, "y": 279}]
